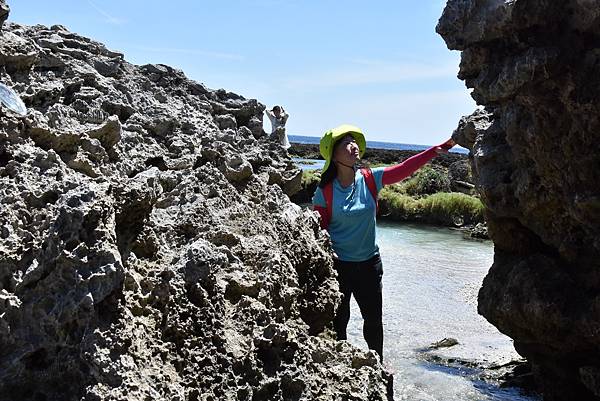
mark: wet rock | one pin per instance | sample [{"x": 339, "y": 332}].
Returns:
[
  {"x": 444, "y": 343},
  {"x": 479, "y": 231},
  {"x": 533, "y": 67}
]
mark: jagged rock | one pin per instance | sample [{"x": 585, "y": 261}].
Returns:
[
  {"x": 148, "y": 247},
  {"x": 4, "y": 11},
  {"x": 534, "y": 67},
  {"x": 16, "y": 53},
  {"x": 236, "y": 169},
  {"x": 109, "y": 133},
  {"x": 470, "y": 126}
]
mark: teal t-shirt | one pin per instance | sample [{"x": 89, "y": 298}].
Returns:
[{"x": 352, "y": 225}]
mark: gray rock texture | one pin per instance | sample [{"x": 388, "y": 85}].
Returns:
[
  {"x": 148, "y": 248},
  {"x": 534, "y": 66},
  {"x": 4, "y": 10}
]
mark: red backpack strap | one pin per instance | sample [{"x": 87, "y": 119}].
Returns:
[
  {"x": 370, "y": 181},
  {"x": 328, "y": 195}
]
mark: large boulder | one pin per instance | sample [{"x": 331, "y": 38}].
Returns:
[{"x": 534, "y": 66}]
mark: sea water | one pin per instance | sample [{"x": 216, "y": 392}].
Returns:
[
  {"x": 309, "y": 164},
  {"x": 430, "y": 284},
  {"x": 373, "y": 144}
]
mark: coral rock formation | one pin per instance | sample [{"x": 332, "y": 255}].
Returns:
[
  {"x": 148, "y": 249},
  {"x": 535, "y": 66}
]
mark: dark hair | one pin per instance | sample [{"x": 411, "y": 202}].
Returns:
[
  {"x": 328, "y": 175},
  {"x": 276, "y": 108}
]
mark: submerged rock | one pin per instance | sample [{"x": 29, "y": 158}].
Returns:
[
  {"x": 534, "y": 66},
  {"x": 444, "y": 343},
  {"x": 148, "y": 246}
]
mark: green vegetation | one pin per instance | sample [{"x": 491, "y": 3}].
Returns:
[
  {"x": 425, "y": 181},
  {"x": 310, "y": 178},
  {"x": 446, "y": 208}
]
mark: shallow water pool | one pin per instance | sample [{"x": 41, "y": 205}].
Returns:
[{"x": 430, "y": 284}]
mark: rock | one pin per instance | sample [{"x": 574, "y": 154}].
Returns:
[
  {"x": 148, "y": 247},
  {"x": 533, "y": 67},
  {"x": 109, "y": 134},
  {"x": 460, "y": 171},
  {"x": 16, "y": 53},
  {"x": 479, "y": 231},
  {"x": 590, "y": 376},
  {"x": 4, "y": 11},
  {"x": 471, "y": 126},
  {"x": 465, "y": 22},
  {"x": 226, "y": 121},
  {"x": 236, "y": 169},
  {"x": 444, "y": 343}
]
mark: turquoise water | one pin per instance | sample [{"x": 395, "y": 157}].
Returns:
[
  {"x": 309, "y": 164},
  {"x": 430, "y": 284}
]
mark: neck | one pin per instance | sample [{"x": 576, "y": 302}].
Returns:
[{"x": 345, "y": 174}]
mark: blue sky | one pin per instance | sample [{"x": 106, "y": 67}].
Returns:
[{"x": 378, "y": 65}]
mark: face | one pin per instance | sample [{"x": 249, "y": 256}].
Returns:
[
  {"x": 346, "y": 150},
  {"x": 277, "y": 112}
]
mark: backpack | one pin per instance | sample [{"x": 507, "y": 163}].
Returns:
[{"x": 328, "y": 193}]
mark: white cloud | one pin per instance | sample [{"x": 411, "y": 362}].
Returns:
[
  {"x": 364, "y": 72},
  {"x": 194, "y": 52},
  {"x": 107, "y": 17}
]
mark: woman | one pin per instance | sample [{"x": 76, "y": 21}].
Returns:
[
  {"x": 346, "y": 201},
  {"x": 278, "y": 117}
]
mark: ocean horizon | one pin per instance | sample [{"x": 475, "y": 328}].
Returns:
[{"x": 314, "y": 140}]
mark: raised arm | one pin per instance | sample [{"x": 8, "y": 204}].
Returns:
[
  {"x": 270, "y": 115},
  {"x": 398, "y": 172}
]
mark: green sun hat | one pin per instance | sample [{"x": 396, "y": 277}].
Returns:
[{"x": 333, "y": 135}]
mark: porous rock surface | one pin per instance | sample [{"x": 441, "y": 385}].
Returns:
[
  {"x": 148, "y": 249},
  {"x": 4, "y": 10},
  {"x": 535, "y": 145}
]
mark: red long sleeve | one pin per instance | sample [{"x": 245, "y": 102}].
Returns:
[{"x": 398, "y": 172}]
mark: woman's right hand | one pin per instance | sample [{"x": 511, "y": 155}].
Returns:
[{"x": 445, "y": 147}]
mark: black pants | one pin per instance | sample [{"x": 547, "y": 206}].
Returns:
[{"x": 363, "y": 280}]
